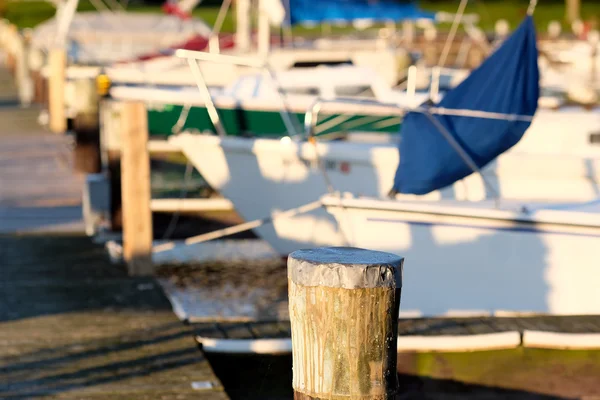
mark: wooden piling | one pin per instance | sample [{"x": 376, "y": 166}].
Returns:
[
  {"x": 11, "y": 35},
  {"x": 135, "y": 189},
  {"x": 57, "y": 61},
  {"x": 86, "y": 127},
  {"x": 344, "y": 306},
  {"x": 23, "y": 71},
  {"x": 40, "y": 87}
]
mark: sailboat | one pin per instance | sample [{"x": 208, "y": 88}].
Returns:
[
  {"x": 252, "y": 104},
  {"x": 483, "y": 225},
  {"x": 168, "y": 86}
]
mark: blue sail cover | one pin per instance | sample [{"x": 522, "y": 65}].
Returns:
[
  {"x": 507, "y": 82},
  {"x": 343, "y": 11}
]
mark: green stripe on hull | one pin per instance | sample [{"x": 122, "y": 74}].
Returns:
[{"x": 239, "y": 122}]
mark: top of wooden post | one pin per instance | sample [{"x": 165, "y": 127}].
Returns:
[{"x": 345, "y": 267}]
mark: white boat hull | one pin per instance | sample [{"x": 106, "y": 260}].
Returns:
[
  {"x": 272, "y": 176},
  {"x": 449, "y": 266},
  {"x": 481, "y": 262}
]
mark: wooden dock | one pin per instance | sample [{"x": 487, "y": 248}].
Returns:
[
  {"x": 72, "y": 325},
  {"x": 38, "y": 191}
]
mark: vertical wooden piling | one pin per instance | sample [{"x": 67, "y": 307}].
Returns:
[
  {"x": 4, "y": 24},
  {"x": 573, "y": 10},
  {"x": 135, "y": 189},
  {"x": 344, "y": 306},
  {"x": 10, "y": 39},
  {"x": 23, "y": 69},
  {"x": 57, "y": 61}
]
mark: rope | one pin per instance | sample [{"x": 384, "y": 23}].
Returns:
[
  {"x": 246, "y": 226},
  {"x": 462, "y": 153},
  {"x": 187, "y": 175},
  {"x": 456, "y": 112},
  {"x": 183, "y": 116},
  {"x": 182, "y": 194},
  {"x": 531, "y": 8},
  {"x": 453, "y": 29},
  {"x": 389, "y": 109},
  {"x": 330, "y": 188}
]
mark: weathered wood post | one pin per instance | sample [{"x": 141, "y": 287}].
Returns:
[
  {"x": 40, "y": 86},
  {"x": 86, "y": 127},
  {"x": 573, "y": 8},
  {"x": 57, "y": 62},
  {"x": 344, "y": 305},
  {"x": 4, "y": 24},
  {"x": 135, "y": 189},
  {"x": 23, "y": 71},
  {"x": 11, "y": 36}
]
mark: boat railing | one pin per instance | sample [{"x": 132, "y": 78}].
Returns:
[
  {"x": 369, "y": 107},
  {"x": 377, "y": 108},
  {"x": 432, "y": 75},
  {"x": 346, "y": 107},
  {"x": 194, "y": 57}
]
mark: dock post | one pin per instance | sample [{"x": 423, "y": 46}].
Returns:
[
  {"x": 10, "y": 39},
  {"x": 344, "y": 305},
  {"x": 57, "y": 60},
  {"x": 23, "y": 71},
  {"x": 135, "y": 189}
]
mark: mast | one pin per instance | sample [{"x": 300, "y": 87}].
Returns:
[
  {"x": 65, "y": 11},
  {"x": 243, "y": 25},
  {"x": 264, "y": 28}
]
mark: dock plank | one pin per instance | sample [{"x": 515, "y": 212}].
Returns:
[
  {"x": 38, "y": 190},
  {"x": 73, "y": 326}
]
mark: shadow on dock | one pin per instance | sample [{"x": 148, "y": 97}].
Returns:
[
  {"x": 74, "y": 326},
  {"x": 89, "y": 366}
]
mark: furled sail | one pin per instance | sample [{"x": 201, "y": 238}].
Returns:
[
  {"x": 346, "y": 11},
  {"x": 507, "y": 84}
]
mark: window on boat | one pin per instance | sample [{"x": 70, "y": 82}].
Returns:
[
  {"x": 355, "y": 91},
  {"x": 312, "y": 64},
  {"x": 302, "y": 90}
]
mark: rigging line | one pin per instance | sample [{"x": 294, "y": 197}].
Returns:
[
  {"x": 186, "y": 176},
  {"x": 388, "y": 109},
  {"x": 331, "y": 190},
  {"x": 183, "y": 116},
  {"x": 322, "y": 168},
  {"x": 182, "y": 194},
  {"x": 286, "y": 113},
  {"x": 99, "y": 5},
  {"x": 531, "y": 8},
  {"x": 246, "y": 226},
  {"x": 462, "y": 154},
  {"x": 453, "y": 29},
  {"x": 225, "y": 5},
  {"x": 456, "y": 112},
  {"x": 213, "y": 113},
  {"x": 114, "y": 5}
]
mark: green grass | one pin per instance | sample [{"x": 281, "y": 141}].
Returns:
[{"x": 30, "y": 13}]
